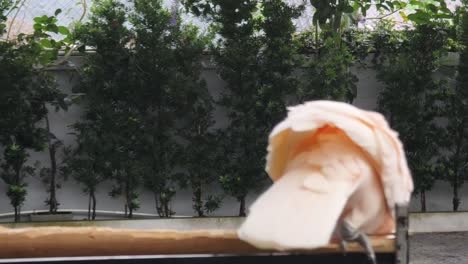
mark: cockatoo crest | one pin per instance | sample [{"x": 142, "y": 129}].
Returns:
[
  {"x": 331, "y": 162},
  {"x": 367, "y": 129}
]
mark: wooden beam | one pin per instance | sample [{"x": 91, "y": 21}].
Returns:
[{"x": 94, "y": 241}]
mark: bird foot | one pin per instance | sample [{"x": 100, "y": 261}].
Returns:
[
  {"x": 343, "y": 246},
  {"x": 348, "y": 233}
]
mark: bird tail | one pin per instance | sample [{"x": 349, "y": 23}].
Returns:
[{"x": 299, "y": 211}]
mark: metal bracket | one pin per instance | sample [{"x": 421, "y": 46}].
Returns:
[{"x": 401, "y": 239}]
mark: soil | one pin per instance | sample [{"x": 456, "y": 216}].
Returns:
[{"x": 435, "y": 248}]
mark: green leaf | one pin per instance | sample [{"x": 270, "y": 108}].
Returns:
[
  {"x": 195, "y": 11},
  {"x": 58, "y": 11},
  {"x": 444, "y": 16},
  {"x": 399, "y": 4},
  {"x": 419, "y": 17},
  {"x": 45, "y": 59},
  {"x": 404, "y": 16},
  {"x": 37, "y": 27},
  {"x": 82, "y": 48},
  {"x": 52, "y": 28},
  {"x": 433, "y": 8},
  {"x": 382, "y": 6},
  {"x": 46, "y": 43},
  {"x": 442, "y": 3},
  {"x": 417, "y": 3},
  {"x": 348, "y": 9},
  {"x": 66, "y": 40},
  {"x": 38, "y": 19},
  {"x": 445, "y": 9},
  {"x": 390, "y": 5},
  {"x": 63, "y": 30}
]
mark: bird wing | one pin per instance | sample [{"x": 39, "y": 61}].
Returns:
[
  {"x": 367, "y": 129},
  {"x": 301, "y": 209}
]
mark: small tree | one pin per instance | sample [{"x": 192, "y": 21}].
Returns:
[
  {"x": 410, "y": 97},
  {"x": 199, "y": 157},
  {"x": 26, "y": 89},
  {"x": 200, "y": 147},
  {"x": 160, "y": 87},
  {"x": 108, "y": 80},
  {"x": 278, "y": 62},
  {"x": 454, "y": 140},
  {"x": 328, "y": 74},
  {"x": 236, "y": 55},
  {"x": 255, "y": 56},
  {"x": 43, "y": 28},
  {"x": 173, "y": 100},
  {"x": 200, "y": 151},
  {"x": 86, "y": 163},
  {"x": 14, "y": 171}
]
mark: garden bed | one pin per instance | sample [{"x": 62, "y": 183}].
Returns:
[{"x": 46, "y": 216}]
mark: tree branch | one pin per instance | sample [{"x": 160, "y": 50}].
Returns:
[
  {"x": 384, "y": 16},
  {"x": 14, "y": 17}
]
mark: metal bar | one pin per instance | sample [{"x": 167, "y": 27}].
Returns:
[
  {"x": 278, "y": 258},
  {"x": 401, "y": 239}
]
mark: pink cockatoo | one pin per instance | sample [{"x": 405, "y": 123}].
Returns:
[{"x": 336, "y": 169}]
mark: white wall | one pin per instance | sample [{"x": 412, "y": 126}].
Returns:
[
  {"x": 438, "y": 222},
  {"x": 418, "y": 223},
  {"x": 71, "y": 197}
]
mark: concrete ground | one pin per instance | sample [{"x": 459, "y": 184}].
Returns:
[{"x": 435, "y": 248}]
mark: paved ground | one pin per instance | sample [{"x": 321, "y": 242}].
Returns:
[{"x": 435, "y": 248}]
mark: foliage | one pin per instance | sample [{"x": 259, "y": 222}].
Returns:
[
  {"x": 328, "y": 74},
  {"x": 255, "y": 57},
  {"x": 26, "y": 90},
  {"x": 236, "y": 55},
  {"x": 198, "y": 160},
  {"x": 336, "y": 20},
  {"x": 5, "y": 5},
  {"x": 411, "y": 95},
  {"x": 199, "y": 155},
  {"x": 159, "y": 91},
  {"x": 13, "y": 172},
  {"x": 42, "y": 52},
  {"x": 148, "y": 115},
  {"x": 156, "y": 96},
  {"x": 43, "y": 28},
  {"x": 200, "y": 151},
  {"x": 334, "y": 16},
  {"x": 87, "y": 163},
  {"x": 454, "y": 140},
  {"x": 426, "y": 12},
  {"x": 176, "y": 104},
  {"x": 278, "y": 61},
  {"x": 108, "y": 80},
  {"x": 328, "y": 71}
]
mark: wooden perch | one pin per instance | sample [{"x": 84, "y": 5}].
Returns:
[{"x": 92, "y": 241}]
